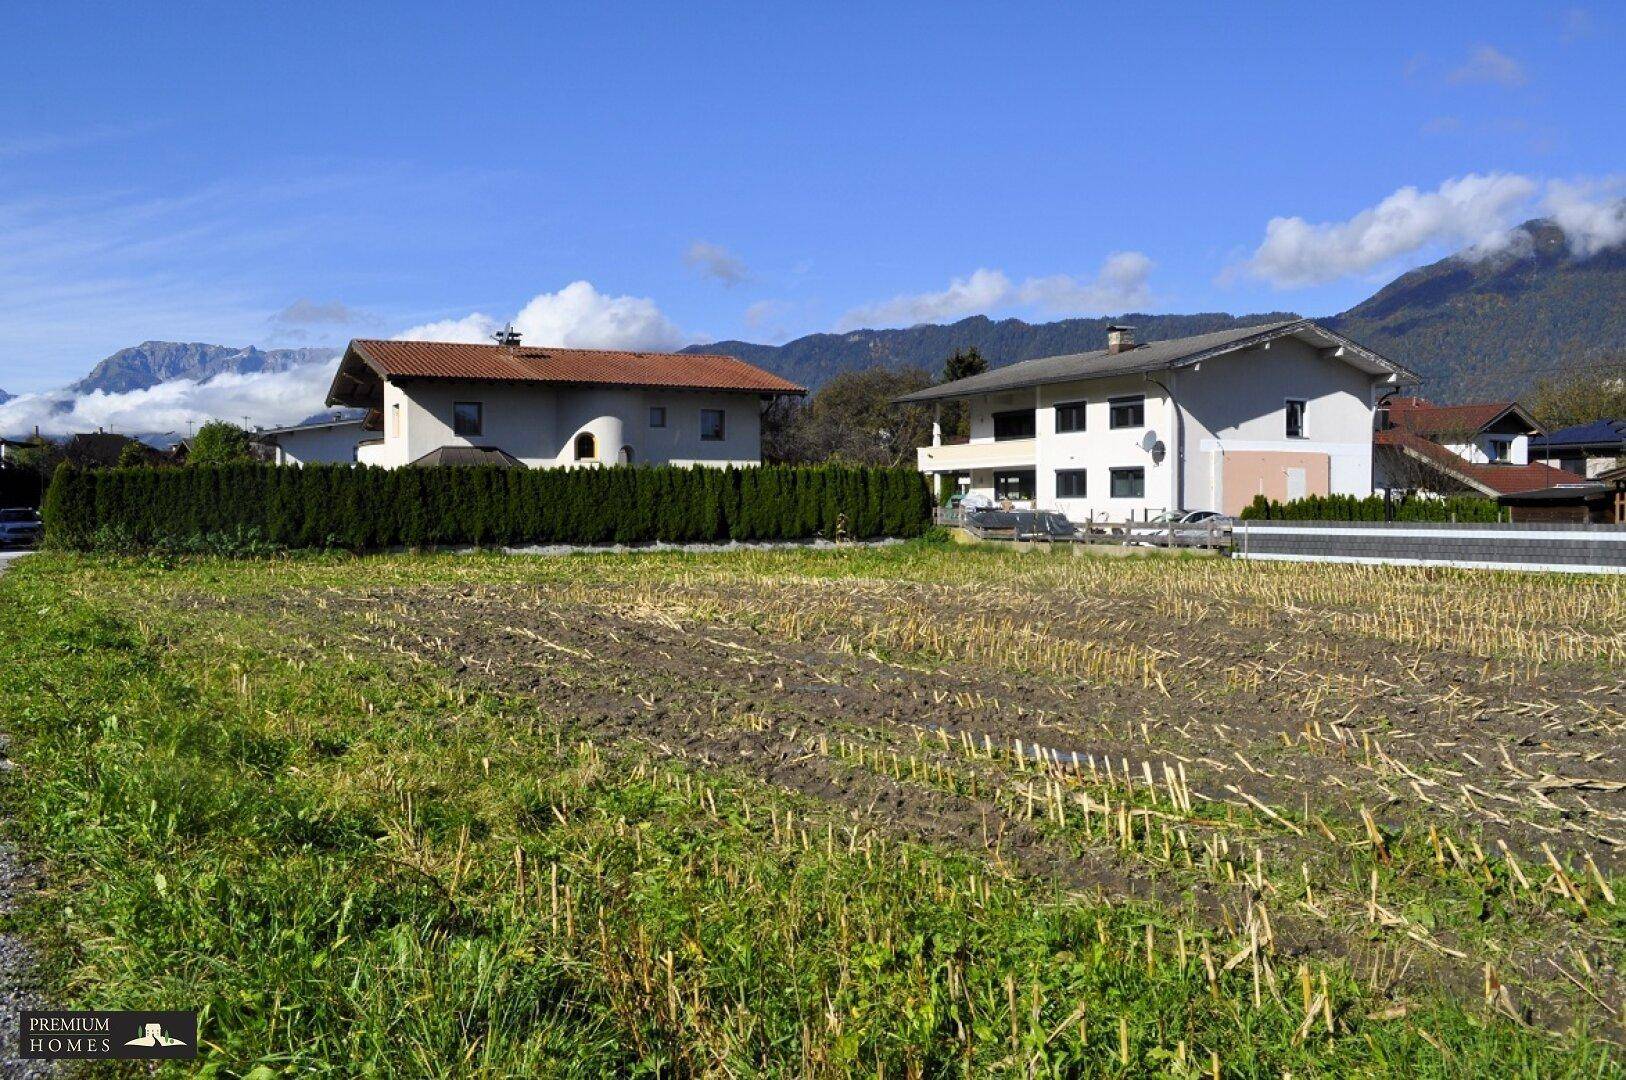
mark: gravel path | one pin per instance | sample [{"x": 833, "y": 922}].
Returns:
[{"x": 19, "y": 984}]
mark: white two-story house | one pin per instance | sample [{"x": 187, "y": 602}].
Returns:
[
  {"x": 1208, "y": 422},
  {"x": 439, "y": 403}
]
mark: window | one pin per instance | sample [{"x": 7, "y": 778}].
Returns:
[
  {"x": 1499, "y": 449},
  {"x": 1129, "y": 483},
  {"x": 711, "y": 425},
  {"x": 1070, "y": 484},
  {"x": 1013, "y": 425},
  {"x": 468, "y": 417},
  {"x": 1128, "y": 411},
  {"x": 395, "y": 419},
  {"x": 1070, "y": 417},
  {"x": 1014, "y": 485},
  {"x": 657, "y": 416},
  {"x": 1295, "y": 419},
  {"x": 626, "y": 456},
  {"x": 586, "y": 447}
]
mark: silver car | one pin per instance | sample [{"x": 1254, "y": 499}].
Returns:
[{"x": 20, "y": 527}]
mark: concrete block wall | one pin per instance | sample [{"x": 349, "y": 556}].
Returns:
[{"x": 1552, "y": 546}]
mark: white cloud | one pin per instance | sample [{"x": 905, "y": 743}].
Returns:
[
  {"x": 1488, "y": 64},
  {"x": 764, "y": 312},
  {"x": 266, "y": 398},
  {"x": 577, "y": 316},
  {"x": 475, "y": 328},
  {"x": 716, "y": 261},
  {"x": 983, "y": 290},
  {"x": 1592, "y": 213},
  {"x": 1121, "y": 283},
  {"x": 1470, "y": 211},
  {"x": 308, "y": 312}
]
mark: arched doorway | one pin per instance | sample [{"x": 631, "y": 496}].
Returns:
[
  {"x": 586, "y": 447},
  {"x": 625, "y": 457}
]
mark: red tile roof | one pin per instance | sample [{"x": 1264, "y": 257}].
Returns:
[
  {"x": 445, "y": 360},
  {"x": 1425, "y": 418},
  {"x": 1491, "y": 479}
]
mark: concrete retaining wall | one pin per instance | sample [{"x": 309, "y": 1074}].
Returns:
[{"x": 1570, "y": 548}]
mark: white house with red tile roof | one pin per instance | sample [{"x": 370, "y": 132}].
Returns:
[
  {"x": 440, "y": 402},
  {"x": 1482, "y": 447}
]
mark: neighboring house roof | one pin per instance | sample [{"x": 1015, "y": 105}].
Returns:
[
  {"x": 1601, "y": 434},
  {"x": 317, "y": 425},
  {"x": 96, "y": 448},
  {"x": 1424, "y": 418},
  {"x": 1484, "y": 478},
  {"x": 1156, "y": 356},
  {"x": 468, "y": 455},
  {"x": 368, "y": 360}
]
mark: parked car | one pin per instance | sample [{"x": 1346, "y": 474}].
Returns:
[
  {"x": 20, "y": 527},
  {"x": 1173, "y": 538}
]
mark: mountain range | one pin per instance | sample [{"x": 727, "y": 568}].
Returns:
[
  {"x": 1473, "y": 327},
  {"x": 153, "y": 362},
  {"x": 1491, "y": 327}
]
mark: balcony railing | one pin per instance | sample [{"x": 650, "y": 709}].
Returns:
[{"x": 977, "y": 455}]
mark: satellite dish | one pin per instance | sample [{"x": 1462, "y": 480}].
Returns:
[
  {"x": 1148, "y": 440},
  {"x": 1159, "y": 451}
]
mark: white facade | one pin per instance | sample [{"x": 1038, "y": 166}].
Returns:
[
  {"x": 1222, "y": 425},
  {"x": 312, "y": 444},
  {"x": 544, "y": 425},
  {"x": 1493, "y": 449}
]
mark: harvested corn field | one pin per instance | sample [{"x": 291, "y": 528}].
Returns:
[{"x": 902, "y": 812}]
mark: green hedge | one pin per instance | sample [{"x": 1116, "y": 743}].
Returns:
[
  {"x": 1349, "y": 508},
  {"x": 265, "y": 507}
]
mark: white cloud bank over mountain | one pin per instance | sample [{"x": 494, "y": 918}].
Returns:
[
  {"x": 577, "y": 316},
  {"x": 267, "y": 398},
  {"x": 1475, "y": 212},
  {"x": 1119, "y": 285}
]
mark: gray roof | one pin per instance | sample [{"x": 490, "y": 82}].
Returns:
[
  {"x": 469, "y": 455},
  {"x": 1152, "y": 356},
  {"x": 311, "y": 425}
]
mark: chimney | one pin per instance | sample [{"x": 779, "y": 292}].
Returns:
[
  {"x": 507, "y": 337},
  {"x": 1120, "y": 338}
]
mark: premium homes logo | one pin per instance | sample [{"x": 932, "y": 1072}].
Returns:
[{"x": 105, "y": 1034}]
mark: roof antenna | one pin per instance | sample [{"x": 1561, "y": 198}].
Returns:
[{"x": 507, "y": 337}]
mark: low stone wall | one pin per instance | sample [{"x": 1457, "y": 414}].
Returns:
[{"x": 1551, "y": 546}]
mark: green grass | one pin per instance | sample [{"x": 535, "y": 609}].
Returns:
[{"x": 357, "y": 868}]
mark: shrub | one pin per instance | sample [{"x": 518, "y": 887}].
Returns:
[
  {"x": 250, "y": 508},
  {"x": 1467, "y": 508}
]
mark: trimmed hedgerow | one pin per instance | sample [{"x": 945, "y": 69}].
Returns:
[
  {"x": 255, "y": 507},
  {"x": 1349, "y": 508}
]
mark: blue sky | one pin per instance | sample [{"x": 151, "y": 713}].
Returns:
[{"x": 292, "y": 174}]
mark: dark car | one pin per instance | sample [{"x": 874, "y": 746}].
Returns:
[{"x": 20, "y": 527}]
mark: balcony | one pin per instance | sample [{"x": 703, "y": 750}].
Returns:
[{"x": 962, "y": 457}]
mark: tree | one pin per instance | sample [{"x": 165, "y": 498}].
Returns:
[
  {"x": 1598, "y": 393},
  {"x": 963, "y": 364},
  {"x": 41, "y": 455},
  {"x": 219, "y": 442},
  {"x": 135, "y": 454},
  {"x": 851, "y": 419}
]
